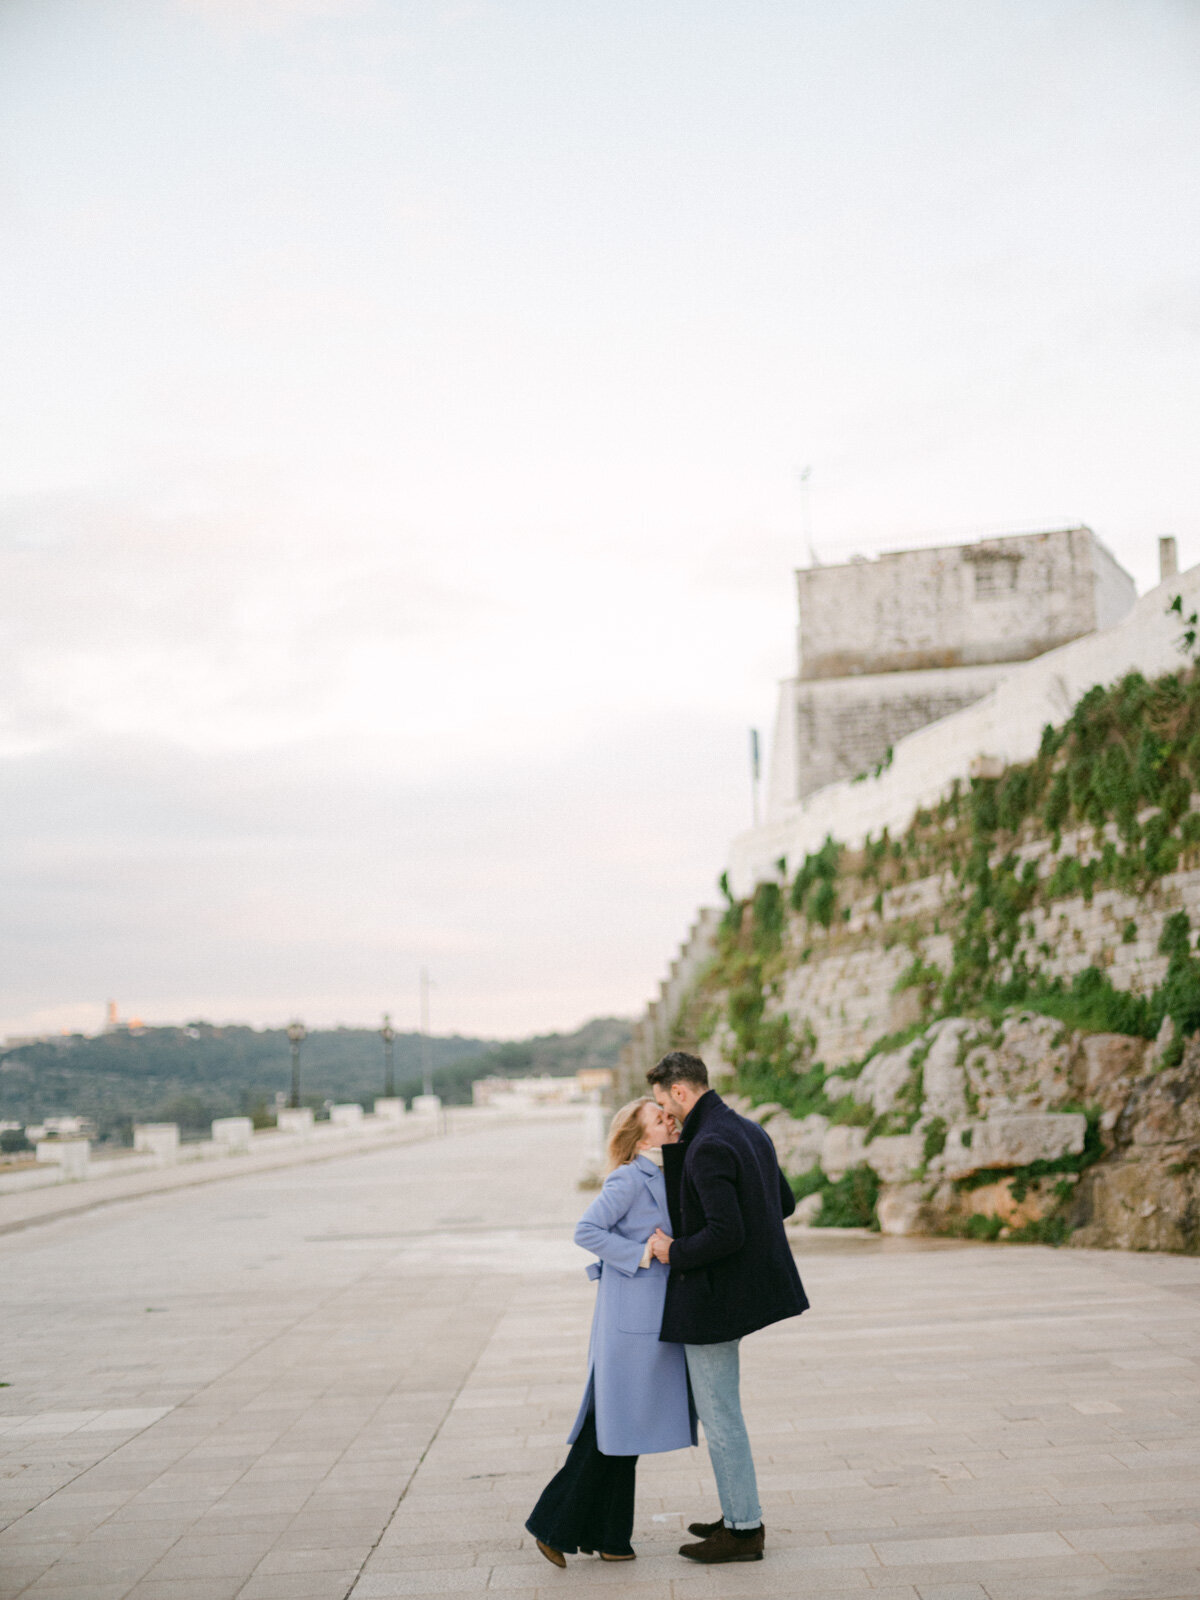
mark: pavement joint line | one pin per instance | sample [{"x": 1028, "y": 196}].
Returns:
[
  {"x": 404, "y": 1397},
  {"x": 432, "y": 1233},
  {"x": 368, "y": 1270},
  {"x": 429, "y": 1444}
]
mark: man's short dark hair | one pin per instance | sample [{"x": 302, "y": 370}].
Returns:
[{"x": 679, "y": 1067}]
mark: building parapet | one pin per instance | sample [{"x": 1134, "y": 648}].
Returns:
[{"x": 1004, "y": 726}]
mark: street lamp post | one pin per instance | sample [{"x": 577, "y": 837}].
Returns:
[
  {"x": 296, "y": 1032},
  {"x": 388, "y": 1034},
  {"x": 426, "y": 1063}
]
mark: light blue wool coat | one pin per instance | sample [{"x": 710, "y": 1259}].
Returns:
[{"x": 640, "y": 1384}]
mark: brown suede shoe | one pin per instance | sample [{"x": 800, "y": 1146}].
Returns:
[
  {"x": 551, "y": 1554},
  {"x": 704, "y": 1530},
  {"x": 722, "y": 1546}
]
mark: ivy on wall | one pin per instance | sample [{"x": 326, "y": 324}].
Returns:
[{"x": 1118, "y": 777}]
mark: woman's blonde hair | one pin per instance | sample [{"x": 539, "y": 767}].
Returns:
[{"x": 625, "y": 1132}]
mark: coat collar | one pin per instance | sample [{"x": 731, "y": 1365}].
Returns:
[
  {"x": 704, "y": 1109},
  {"x": 646, "y": 1167}
]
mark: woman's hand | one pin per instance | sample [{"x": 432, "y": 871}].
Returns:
[{"x": 660, "y": 1246}]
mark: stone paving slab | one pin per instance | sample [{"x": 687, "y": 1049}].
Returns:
[{"x": 353, "y": 1379}]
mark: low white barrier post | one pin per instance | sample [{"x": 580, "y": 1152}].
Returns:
[
  {"x": 73, "y": 1162},
  {"x": 70, "y": 1156},
  {"x": 295, "y": 1119},
  {"x": 232, "y": 1134},
  {"x": 159, "y": 1139}
]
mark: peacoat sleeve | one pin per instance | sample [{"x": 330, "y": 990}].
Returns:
[
  {"x": 596, "y": 1229},
  {"x": 713, "y": 1174}
]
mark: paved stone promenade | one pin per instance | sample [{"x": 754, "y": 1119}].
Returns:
[{"x": 353, "y": 1379}]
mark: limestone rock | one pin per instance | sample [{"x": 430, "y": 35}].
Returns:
[
  {"x": 998, "y": 1200},
  {"x": 797, "y": 1141},
  {"x": 837, "y": 1088},
  {"x": 1105, "y": 1068},
  {"x": 763, "y": 1113},
  {"x": 942, "y": 1072},
  {"x": 1148, "y": 1201},
  {"x": 902, "y": 1209},
  {"x": 895, "y": 1157},
  {"x": 1164, "y": 1109},
  {"x": 1164, "y": 1038},
  {"x": 904, "y": 1008},
  {"x": 807, "y": 1211},
  {"x": 884, "y": 1077},
  {"x": 1026, "y": 1068},
  {"x": 1013, "y": 1140},
  {"x": 1106, "y": 1059},
  {"x": 841, "y": 1149}
]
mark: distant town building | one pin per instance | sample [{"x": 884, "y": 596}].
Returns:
[
  {"x": 594, "y": 1078},
  {"x": 62, "y": 1128},
  {"x": 543, "y": 1090},
  {"x": 887, "y": 645}
]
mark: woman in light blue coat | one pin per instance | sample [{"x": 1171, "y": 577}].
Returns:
[{"x": 636, "y": 1399}]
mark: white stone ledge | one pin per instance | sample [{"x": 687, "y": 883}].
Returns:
[
  {"x": 1006, "y": 724},
  {"x": 37, "y": 1194}
]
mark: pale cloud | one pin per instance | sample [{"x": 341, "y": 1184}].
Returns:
[
  {"x": 321, "y": 876},
  {"x": 235, "y": 17},
  {"x": 399, "y": 510}
]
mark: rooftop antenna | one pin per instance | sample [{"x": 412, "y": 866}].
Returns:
[{"x": 803, "y": 474}]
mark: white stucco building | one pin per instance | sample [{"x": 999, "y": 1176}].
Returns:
[
  {"x": 830, "y": 770},
  {"x": 888, "y": 645}
]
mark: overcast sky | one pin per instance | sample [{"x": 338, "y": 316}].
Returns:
[{"x": 401, "y": 408}]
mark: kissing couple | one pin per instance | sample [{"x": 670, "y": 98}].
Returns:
[{"x": 691, "y": 1257}]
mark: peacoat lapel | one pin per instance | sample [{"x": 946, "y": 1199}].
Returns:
[{"x": 673, "y": 1179}]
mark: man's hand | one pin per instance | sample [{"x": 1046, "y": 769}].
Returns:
[{"x": 660, "y": 1246}]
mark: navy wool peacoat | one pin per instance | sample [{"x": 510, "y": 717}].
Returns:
[{"x": 731, "y": 1265}]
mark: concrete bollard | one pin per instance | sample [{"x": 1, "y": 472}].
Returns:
[
  {"x": 389, "y": 1110},
  {"x": 74, "y": 1158},
  {"x": 160, "y": 1139},
  {"x": 232, "y": 1133},
  {"x": 295, "y": 1119},
  {"x": 426, "y": 1105},
  {"x": 346, "y": 1116},
  {"x": 70, "y": 1156}
]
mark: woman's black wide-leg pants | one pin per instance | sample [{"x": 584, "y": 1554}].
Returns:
[{"x": 588, "y": 1505}]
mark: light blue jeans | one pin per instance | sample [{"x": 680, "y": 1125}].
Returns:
[{"x": 715, "y": 1373}]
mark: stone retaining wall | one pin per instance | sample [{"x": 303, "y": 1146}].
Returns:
[{"x": 846, "y": 988}]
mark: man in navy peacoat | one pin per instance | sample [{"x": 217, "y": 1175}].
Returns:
[{"x": 732, "y": 1272}]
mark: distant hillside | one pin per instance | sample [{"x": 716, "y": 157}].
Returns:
[{"x": 192, "y": 1074}]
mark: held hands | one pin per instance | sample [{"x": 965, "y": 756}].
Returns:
[{"x": 660, "y": 1246}]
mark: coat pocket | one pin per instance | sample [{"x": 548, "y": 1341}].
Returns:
[{"x": 640, "y": 1302}]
